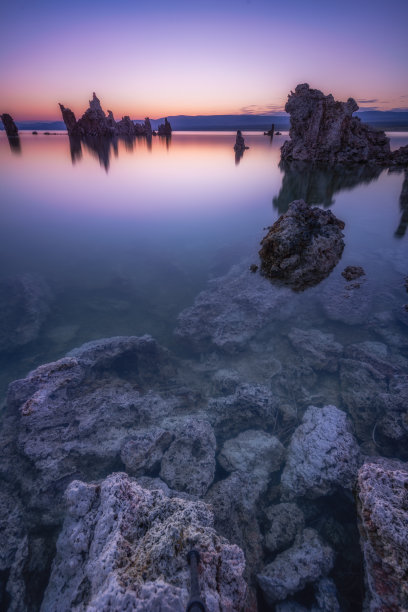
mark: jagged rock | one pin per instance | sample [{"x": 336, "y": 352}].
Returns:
[
  {"x": 9, "y": 125},
  {"x": 352, "y": 272},
  {"x": 324, "y": 130},
  {"x": 189, "y": 463},
  {"x": 317, "y": 349},
  {"x": 302, "y": 246},
  {"x": 250, "y": 406},
  {"x": 24, "y": 306},
  {"x": 400, "y": 157},
  {"x": 306, "y": 561},
  {"x": 232, "y": 310},
  {"x": 239, "y": 145},
  {"x": 286, "y": 522},
  {"x": 164, "y": 129},
  {"x": 75, "y": 414},
  {"x": 123, "y": 547},
  {"x": 322, "y": 455},
  {"x": 95, "y": 124},
  {"x": 382, "y": 504}
]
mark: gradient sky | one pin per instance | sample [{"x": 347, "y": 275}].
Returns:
[{"x": 161, "y": 58}]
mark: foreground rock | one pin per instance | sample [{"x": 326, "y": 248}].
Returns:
[
  {"x": 306, "y": 561},
  {"x": 24, "y": 306},
  {"x": 123, "y": 547},
  {"x": 9, "y": 125},
  {"x": 382, "y": 502},
  {"x": 323, "y": 455},
  {"x": 302, "y": 246},
  {"x": 324, "y": 130},
  {"x": 94, "y": 123}
]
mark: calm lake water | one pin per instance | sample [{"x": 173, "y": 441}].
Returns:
[{"x": 125, "y": 237}]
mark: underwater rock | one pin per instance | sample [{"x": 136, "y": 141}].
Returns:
[
  {"x": 143, "y": 452},
  {"x": 345, "y": 302},
  {"x": 24, "y": 306},
  {"x": 189, "y": 463},
  {"x": 324, "y": 130},
  {"x": 319, "y": 350},
  {"x": 352, "y": 272},
  {"x": 302, "y": 246},
  {"x": 286, "y": 522},
  {"x": 383, "y": 518},
  {"x": 306, "y": 561},
  {"x": 228, "y": 314},
  {"x": 254, "y": 452},
  {"x": 322, "y": 455},
  {"x": 9, "y": 125},
  {"x": 123, "y": 547},
  {"x": 164, "y": 129},
  {"x": 250, "y": 406}
]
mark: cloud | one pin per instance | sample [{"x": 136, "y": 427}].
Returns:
[
  {"x": 265, "y": 109},
  {"x": 369, "y": 108},
  {"x": 367, "y": 101},
  {"x": 401, "y": 109}
]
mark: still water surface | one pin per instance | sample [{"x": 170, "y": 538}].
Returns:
[{"x": 128, "y": 235}]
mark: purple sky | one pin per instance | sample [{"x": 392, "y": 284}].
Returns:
[{"x": 199, "y": 57}]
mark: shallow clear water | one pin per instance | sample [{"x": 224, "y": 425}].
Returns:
[{"x": 128, "y": 236}]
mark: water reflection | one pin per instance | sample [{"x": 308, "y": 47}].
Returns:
[
  {"x": 75, "y": 149},
  {"x": 15, "y": 144},
  {"x": 317, "y": 185},
  {"x": 403, "y": 202}
]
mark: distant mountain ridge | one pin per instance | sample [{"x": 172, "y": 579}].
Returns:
[{"x": 386, "y": 120}]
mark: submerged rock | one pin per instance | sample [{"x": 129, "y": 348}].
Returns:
[
  {"x": 352, "y": 272},
  {"x": 123, "y": 547},
  {"x": 9, "y": 125},
  {"x": 302, "y": 246},
  {"x": 232, "y": 310},
  {"x": 306, "y": 561},
  {"x": 382, "y": 503},
  {"x": 286, "y": 522},
  {"x": 24, "y": 306},
  {"x": 324, "y": 130},
  {"x": 322, "y": 455},
  {"x": 317, "y": 349}
]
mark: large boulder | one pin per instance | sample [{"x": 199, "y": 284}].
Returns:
[
  {"x": 123, "y": 547},
  {"x": 322, "y": 456},
  {"x": 324, "y": 130},
  {"x": 382, "y": 503},
  {"x": 302, "y": 246}
]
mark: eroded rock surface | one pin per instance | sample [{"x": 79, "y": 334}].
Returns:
[
  {"x": 324, "y": 130},
  {"x": 306, "y": 561},
  {"x": 322, "y": 455},
  {"x": 286, "y": 522},
  {"x": 123, "y": 547},
  {"x": 320, "y": 350},
  {"x": 302, "y": 246},
  {"x": 382, "y": 501}
]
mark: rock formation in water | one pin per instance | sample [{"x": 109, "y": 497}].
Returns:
[
  {"x": 94, "y": 123},
  {"x": 324, "y": 130},
  {"x": 302, "y": 246},
  {"x": 383, "y": 512},
  {"x": 164, "y": 129},
  {"x": 9, "y": 125},
  {"x": 239, "y": 145}
]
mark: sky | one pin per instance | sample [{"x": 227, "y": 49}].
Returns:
[{"x": 156, "y": 58}]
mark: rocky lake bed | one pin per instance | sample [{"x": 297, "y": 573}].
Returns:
[{"x": 159, "y": 396}]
